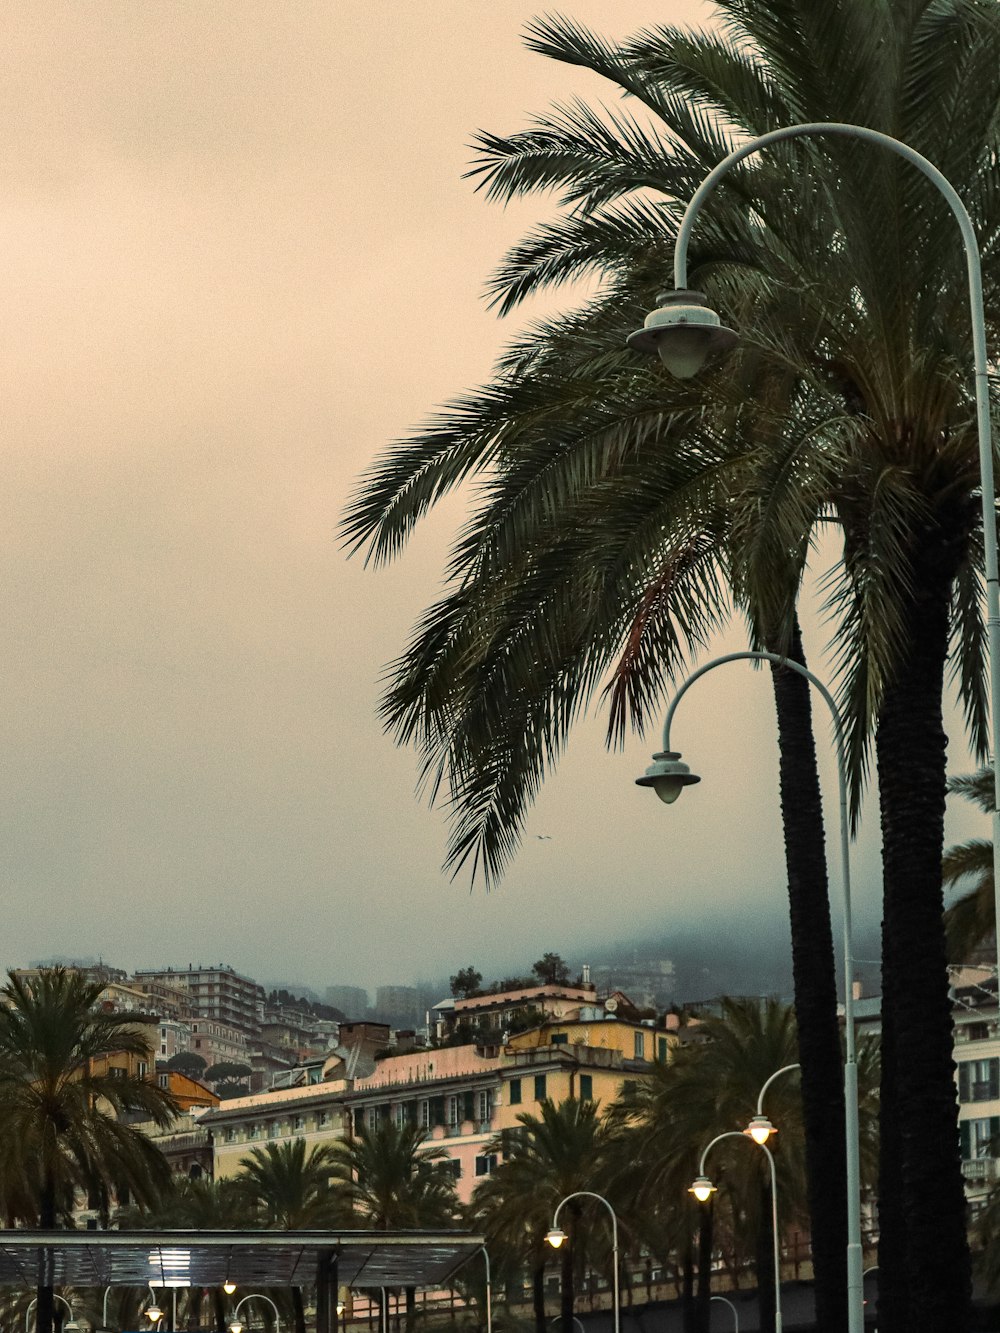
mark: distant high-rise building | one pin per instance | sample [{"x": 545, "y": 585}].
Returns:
[
  {"x": 398, "y": 1005},
  {"x": 352, "y": 1001},
  {"x": 648, "y": 982}
]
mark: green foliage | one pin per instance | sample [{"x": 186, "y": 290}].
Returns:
[
  {"x": 226, "y": 1069},
  {"x": 551, "y": 970},
  {"x": 970, "y": 920},
  {"x": 396, "y": 1181},
  {"x": 466, "y": 983},
  {"x": 187, "y": 1062},
  {"x": 67, "y": 1117}
]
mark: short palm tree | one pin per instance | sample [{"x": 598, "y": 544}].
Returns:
[
  {"x": 550, "y": 1156},
  {"x": 65, "y": 1114},
  {"x": 397, "y": 1182},
  {"x": 293, "y": 1188}
]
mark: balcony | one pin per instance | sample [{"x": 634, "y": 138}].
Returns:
[{"x": 981, "y": 1168}]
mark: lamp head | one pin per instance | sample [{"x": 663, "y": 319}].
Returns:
[
  {"x": 555, "y": 1237},
  {"x": 760, "y": 1129},
  {"x": 702, "y": 1189},
  {"x": 236, "y": 1326},
  {"x": 684, "y": 332},
  {"x": 153, "y": 1312},
  {"x": 71, "y": 1326},
  {"x": 229, "y": 1286},
  {"x": 667, "y": 775},
  {"x": 341, "y": 1307}
]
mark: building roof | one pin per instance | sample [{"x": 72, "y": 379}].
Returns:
[{"x": 249, "y": 1258}]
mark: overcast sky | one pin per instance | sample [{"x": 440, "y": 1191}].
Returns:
[{"x": 237, "y": 257}]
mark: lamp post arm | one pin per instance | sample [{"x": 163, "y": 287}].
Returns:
[
  {"x": 732, "y": 1307},
  {"x": 259, "y": 1296},
  {"x": 785, "y": 1069},
  {"x": 977, "y": 314}
]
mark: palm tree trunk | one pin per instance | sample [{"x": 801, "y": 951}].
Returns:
[
  {"x": 815, "y": 984},
  {"x": 45, "y": 1293},
  {"x": 921, "y": 1096},
  {"x": 538, "y": 1295},
  {"x": 706, "y": 1243},
  {"x": 298, "y": 1310},
  {"x": 566, "y": 1296},
  {"x": 765, "y": 1263}
]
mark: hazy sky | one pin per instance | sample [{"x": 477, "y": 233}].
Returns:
[{"x": 237, "y": 257}]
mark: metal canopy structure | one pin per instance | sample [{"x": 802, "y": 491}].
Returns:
[{"x": 361, "y": 1259}]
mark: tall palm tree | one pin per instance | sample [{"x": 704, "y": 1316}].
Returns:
[
  {"x": 293, "y": 1188},
  {"x": 65, "y": 1113},
  {"x": 844, "y": 272}
]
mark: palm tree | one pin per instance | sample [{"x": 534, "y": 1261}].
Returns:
[
  {"x": 970, "y": 920},
  {"x": 187, "y": 1205},
  {"x": 396, "y": 1182},
  {"x": 594, "y": 536},
  {"x": 707, "y": 1089},
  {"x": 550, "y": 1156},
  {"x": 65, "y": 1113},
  {"x": 296, "y": 1189}
]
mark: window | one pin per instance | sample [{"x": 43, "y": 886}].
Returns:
[
  {"x": 142, "y": 1068},
  {"x": 451, "y": 1110},
  {"x": 980, "y": 1138},
  {"x": 272, "y": 1129},
  {"x": 425, "y": 1114},
  {"x": 640, "y": 1045},
  {"x": 515, "y": 1092},
  {"x": 228, "y": 1135},
  {"x": 979, "y": 1080},
  {"x": 560, "y": 1038},
  {"x": 486, "y": 1164},
  {"x": 485, "y": 1106},
  {"x": 977, "y": 1031},
  {"x": 661, "y": 1050},
  {"x": 586, "y": 1088},
  {"x": 323, "y": 1119},
  {"x": 539, "y": 1087},
  {"x": 299, "y": 1122}
]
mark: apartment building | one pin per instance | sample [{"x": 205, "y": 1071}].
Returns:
[
  {"x": 977, "y": 1057},
  {"x": 218, "y": 993},
  {"x": 501, "y": 1010}
]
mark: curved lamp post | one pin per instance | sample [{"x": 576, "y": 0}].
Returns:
[
  {"x": 725, "y": 1301},
  {"x": 760, "y": 1128},
  {"x": 684, "y": 332},
  {"x": 703, "y": 1189},
  {"x": 34, "y": 1301},
  {"x": 668, "y": 776},
  {"x": 235, "y": 1324},
  {"x": 555, "y": 1238}
]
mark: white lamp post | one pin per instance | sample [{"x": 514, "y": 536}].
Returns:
[
  {"x": 556, "y": 1237},
  {"x": 684, "y": 332},
  {"x": 732, "y": 1307},
  {"x": 34, "y": 1301},
  {"x": 852, "y": 1134},
  {"x": 703, "y": 1188},
  {"x": 235, "y": 1324}
]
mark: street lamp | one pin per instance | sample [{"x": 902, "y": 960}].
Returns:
[
  {"x": 732, "y": 1307},
  {"x": 236, "y": 1324},
  {"x": 672, "y": 332},
  {"x": 703, "y": 1188},
  {"x": 760, "y": 1128},
  {"x": 852, "y": 1132},
  {"x": 555, "y": 1238},
  {"x": 56, "y": 1297}
]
